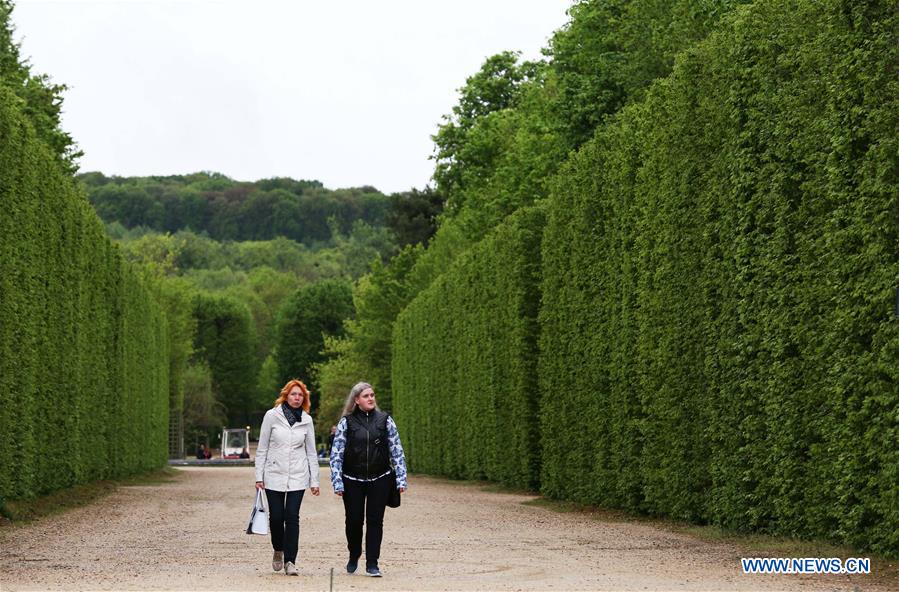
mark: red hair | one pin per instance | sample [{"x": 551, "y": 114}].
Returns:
[{"x": 288, "y": 387}]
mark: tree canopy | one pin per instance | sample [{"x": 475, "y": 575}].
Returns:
[
  {"x": 306, "y": 318},
  {"x": 225, "y": 209},
  {"x": 41, "y": 98}
]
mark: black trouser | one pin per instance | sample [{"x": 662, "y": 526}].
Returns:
[
  {"x": 284, "y": 521},
  {"x": 355, "y": 496}
]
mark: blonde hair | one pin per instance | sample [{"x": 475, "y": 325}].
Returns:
[{"x": 282, "y": 397}]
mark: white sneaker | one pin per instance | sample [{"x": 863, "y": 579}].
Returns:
[
  {"x": 291, "y": 569},
  {"x": 278, "y": 561}
]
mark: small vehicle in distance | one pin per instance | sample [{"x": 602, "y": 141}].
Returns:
[{"x": 236, "y": 443}]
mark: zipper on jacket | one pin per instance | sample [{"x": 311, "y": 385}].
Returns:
[{"x": 367, "y": 446}]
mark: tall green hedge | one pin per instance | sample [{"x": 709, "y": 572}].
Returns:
[
  {"x": 464, "y": 361},
  {"x": 83, "y": 346},
  {"x": 719, "y": 268},
  {"x": 225, "y": 339}
]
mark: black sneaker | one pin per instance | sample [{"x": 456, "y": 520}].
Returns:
[
  {"x": 351, "y": 565},
  {"x": 373, "y": 572}
]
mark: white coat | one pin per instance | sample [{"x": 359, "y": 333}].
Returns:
[{"x": 285, "y": 457}]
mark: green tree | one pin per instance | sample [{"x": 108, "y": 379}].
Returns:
[
  {"x": 158, "y": 252},
  {"x": 361, "y": 247},
  {"x": 226, "y": 341},
  {"x": 379, "y": 297},
  {"x": 496, "y": 86},
  {"x": 612, "y": 50},
  {"x": 271, "y": 289},
  {"x": 204, "y": 415},
  {"x": 506, "y": 162},
  {"x": 335, "y": 376},
  {"x": 269, "y": 383},
  {"x": 413, "y": 216},
  {"x": 41, "y": 98},
  {"x": 304, "y": 320},
  {"x": 229, "y": 210}
]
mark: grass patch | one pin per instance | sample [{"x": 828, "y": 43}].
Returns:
[
  {"x": 24, "y": 511},
  {"x": 497, "y": 488},
  {"x": 593, "y": 512},
  {"x": 483, "y": 485},
  {"x": 452, "y": 481}
]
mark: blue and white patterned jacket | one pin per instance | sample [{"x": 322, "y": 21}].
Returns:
[{"x": 338, "y": 447}]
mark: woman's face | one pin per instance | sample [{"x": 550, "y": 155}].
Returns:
[
  {"x": 366, "y": 400},
  {"x": 295, "y": 397}
]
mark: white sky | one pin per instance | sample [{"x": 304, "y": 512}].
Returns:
[{"x": 346, "y": 92}]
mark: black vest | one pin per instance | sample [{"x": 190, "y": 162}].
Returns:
[{"x": 367, "y": 454}]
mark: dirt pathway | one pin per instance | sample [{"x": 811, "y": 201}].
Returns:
[{"x": 187, "y": 534}]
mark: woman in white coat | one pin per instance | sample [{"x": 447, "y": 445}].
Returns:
[{"x": 286, "y": 464}]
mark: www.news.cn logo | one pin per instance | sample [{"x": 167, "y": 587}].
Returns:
[{"x": 805, "y": 565}]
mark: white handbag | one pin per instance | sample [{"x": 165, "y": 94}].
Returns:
[{"x": 258, "y": 523}]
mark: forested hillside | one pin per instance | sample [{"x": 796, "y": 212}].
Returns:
[{"x": 223, "y": 209}]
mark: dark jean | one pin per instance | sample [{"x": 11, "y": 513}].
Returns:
[
  {"x": 284, "y": 521},
  {"x": 364, "y": 501}
]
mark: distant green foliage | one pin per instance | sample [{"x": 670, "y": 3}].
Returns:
[
  {"x": 193, "y": 255},
  {"x": 378, "y": 298},
  {"x": 719, "y": 267},
  {"x": 225, "y": 209},
  {"x": 305, "y": 319},
  {"x": 358, "y": 250},
  {"x": 335, "y": 376},
  {"x": 465, "y": 351},
  {"x": 364, "y": 351},
  {"x": 84, "y": 358},
  {"x": 260, "y": 274},
  {"x": 413, "y": 216},
  {"x": 226, "y": 341},
  {"x": 204, "y": 415}
]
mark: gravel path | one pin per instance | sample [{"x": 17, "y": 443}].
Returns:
[{"x": 187, "y": 534}]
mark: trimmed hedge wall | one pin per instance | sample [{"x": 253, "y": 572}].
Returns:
[
  {"x": 719, "y": 269},
  {"x": 473, "y": 413},
  {"x": 83, "y": 346}
]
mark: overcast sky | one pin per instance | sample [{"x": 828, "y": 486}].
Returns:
[{"x": 346, "y": 92}]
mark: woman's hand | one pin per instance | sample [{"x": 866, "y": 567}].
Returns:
[
  {"x": 260, "y": 485},
  {"x": 402, "y": 490},
  {"x": 338, "y": 493},
  {"x": 315, "y": 490}
]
